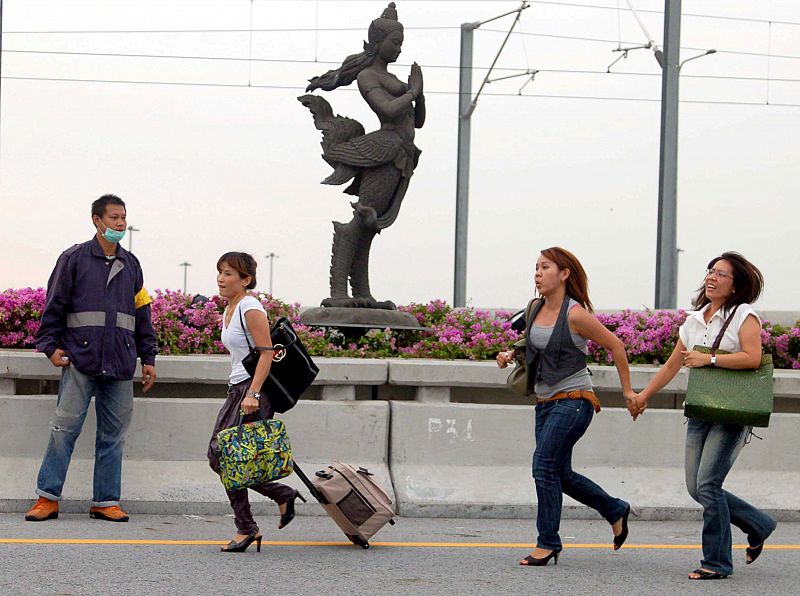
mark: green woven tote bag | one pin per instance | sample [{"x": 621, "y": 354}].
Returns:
[
  {"x": 253, "y": 453},
  {"x": 730, "y": 396}
]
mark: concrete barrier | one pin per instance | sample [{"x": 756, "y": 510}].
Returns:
[
  {"x": 337, "y": 379},
  {"x": 347, "y": 379},
  {"x": 464, "y": 460},
  {"x": 165, "y": 468}
]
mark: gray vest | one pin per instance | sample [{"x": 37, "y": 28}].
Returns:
[{"x": 560, "y": 358}]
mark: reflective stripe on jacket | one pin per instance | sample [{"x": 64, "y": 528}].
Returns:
[{"x": 98, "y": 312}]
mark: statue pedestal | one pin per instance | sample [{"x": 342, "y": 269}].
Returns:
[{"x": 362, "y": 318}]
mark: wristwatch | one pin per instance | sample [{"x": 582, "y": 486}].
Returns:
[
  {"x": 254, "y": 394},
  {"x": 713, "y": 359}
]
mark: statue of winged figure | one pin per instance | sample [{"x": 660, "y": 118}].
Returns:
[{"x": 380, "y": 163}]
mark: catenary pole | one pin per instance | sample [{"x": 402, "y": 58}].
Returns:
[
  {"x": 666, "y": 243},
  {"x": 462, "y": 165},
  {"x": 466, "y": 105}
]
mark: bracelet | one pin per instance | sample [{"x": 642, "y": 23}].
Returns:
[{"x": 254, "y": 394}]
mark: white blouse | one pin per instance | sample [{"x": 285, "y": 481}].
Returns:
[{"x": 695, "y": 332}]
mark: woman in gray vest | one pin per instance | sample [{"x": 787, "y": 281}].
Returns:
[{"x": 561, "y": 323}]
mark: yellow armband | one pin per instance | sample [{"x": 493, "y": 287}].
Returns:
[{"x": 142, "y": 298}]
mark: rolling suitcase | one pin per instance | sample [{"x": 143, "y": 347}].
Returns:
[{"x": 350, "y": 496}]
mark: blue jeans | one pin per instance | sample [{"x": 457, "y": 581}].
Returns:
[
  {"x": 114, "y": 407},
  {"x": 711, "y": 450},
  {"x": 559, "y": 425}
]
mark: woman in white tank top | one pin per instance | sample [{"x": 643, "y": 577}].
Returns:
[{"x": 243, "y": 319}]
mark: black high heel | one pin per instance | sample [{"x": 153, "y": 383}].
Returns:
[
  {"x": 530, "y": 561},
  {"x": 240, "y": 547},
  {"x": 620, "y": 539},
  {"x": 752, "y": 553},
  {"x": 288, "y": 515}
]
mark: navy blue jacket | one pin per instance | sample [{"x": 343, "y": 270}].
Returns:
[{"x": 98, "y": 312}]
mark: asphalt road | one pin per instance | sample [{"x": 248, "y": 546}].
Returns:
[{"x": 75, "y": 555}]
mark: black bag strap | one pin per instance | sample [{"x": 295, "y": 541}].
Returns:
[
  {"x": 528, "y": 317},
  {"x": 256, "y": 348},
  {"x": 715, "y": 345},
  {"x": 528, "y": 324}
]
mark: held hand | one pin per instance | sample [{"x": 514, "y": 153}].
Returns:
[
  {"x": 505, "y": 358},
  {"x": 249, "y": 405},
  {"x": 631, "y": 404},
  {"x": 59, "y": 358},
  {"x": 415, "y": 80},
  {"x": 148, "y": 377},
  {"x": 695, "y": 359},
  {"x": 641, "y": 403}
]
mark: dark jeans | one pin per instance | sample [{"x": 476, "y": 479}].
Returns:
[
  {"x": 559, "y": 425},
  {"x": 227, "y": 417},
  {"x": 711, "y": 450}
]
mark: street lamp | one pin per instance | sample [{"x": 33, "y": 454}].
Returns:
[
  {"x": 131, "y": 230},
  {"x": 706, "y": 53},
  {"x": 185, "y": 266}
]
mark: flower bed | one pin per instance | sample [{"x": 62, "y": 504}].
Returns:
[{"x": 186, "y": 325}]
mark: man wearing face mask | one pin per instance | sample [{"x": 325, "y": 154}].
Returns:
[{"x": 95, "y": 324}]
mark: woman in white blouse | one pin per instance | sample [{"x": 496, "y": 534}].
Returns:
[{"x": 731, "y": 284}]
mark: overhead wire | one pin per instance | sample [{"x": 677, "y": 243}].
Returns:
[
  {"x": 438, "y": 66},
  {"x": 317, "y": 30},
  {"x": 427, "y": 92}
]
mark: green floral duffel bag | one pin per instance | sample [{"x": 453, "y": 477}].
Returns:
[{"x": 253, "y": 453}]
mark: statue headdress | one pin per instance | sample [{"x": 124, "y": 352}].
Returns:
[{"x": 354, "y": 64}]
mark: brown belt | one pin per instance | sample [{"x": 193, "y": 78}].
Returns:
[{"x": 582, "y": 394}]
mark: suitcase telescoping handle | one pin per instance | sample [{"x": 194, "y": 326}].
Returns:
[{"x": 309, "y": 485}]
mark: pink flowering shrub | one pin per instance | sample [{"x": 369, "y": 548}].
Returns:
[
  {"x": 459, "y": 333},
  {"x": 649, "y": 336},
  {"x": 783, "y": 343},
  {"x": 20, "y": 311},
  {"x": 185, "y": 325}
]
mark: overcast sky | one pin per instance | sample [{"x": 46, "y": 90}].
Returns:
[{"x": 217, "y": 165}]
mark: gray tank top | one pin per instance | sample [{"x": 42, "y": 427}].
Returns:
[{"x": 580, "y": 381}]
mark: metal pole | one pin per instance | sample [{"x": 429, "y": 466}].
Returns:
[
  {"x": 271, "y": 256},
  {"x": 131, "y": 230},
  {"x": 462, "y": 165},
  {"x": 666, "y": 247},
  {"x": 1, "y": 60},
  {"x": 185, "y": 266}
]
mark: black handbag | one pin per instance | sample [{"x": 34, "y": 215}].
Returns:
[{"x": 292, "y": 370}]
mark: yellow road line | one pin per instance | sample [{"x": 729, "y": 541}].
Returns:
[{"x": 395, "y": 544}]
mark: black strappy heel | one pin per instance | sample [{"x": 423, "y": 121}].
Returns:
[
  {"x": 620, "y": 539},
  {"x": 289, "y": 514},
  {"x": 530, "y": 561},
  {"x": 240, "y": 547},
  {"x": 752, "y": 553}
]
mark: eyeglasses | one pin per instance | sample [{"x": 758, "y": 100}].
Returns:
[{"x": 719, "y": 274}]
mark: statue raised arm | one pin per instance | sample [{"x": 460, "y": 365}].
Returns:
[{"x": 380, "y": 163}]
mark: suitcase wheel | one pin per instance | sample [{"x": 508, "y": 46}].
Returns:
[{"x": 358, "y": 541}]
